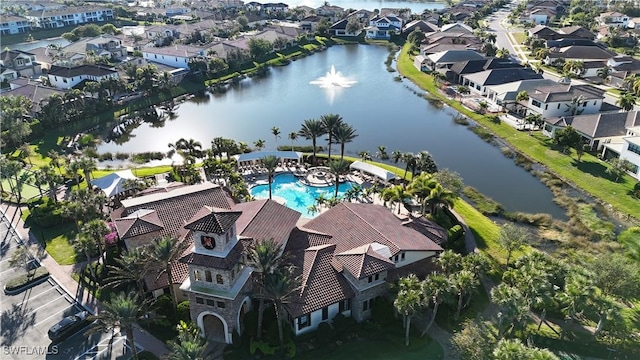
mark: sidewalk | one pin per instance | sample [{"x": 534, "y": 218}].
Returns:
[{"x": 62, "y": 275}]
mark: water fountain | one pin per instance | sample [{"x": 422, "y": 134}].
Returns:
[{"x": 333, "y": 82}]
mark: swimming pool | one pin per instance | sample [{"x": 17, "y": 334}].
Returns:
[{"x": 298, "y": 196}]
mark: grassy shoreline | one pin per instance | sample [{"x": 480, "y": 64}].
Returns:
[{"x": 588, "y": 175}]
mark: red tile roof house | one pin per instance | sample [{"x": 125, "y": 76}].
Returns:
[{"x": 343, "y": 256}]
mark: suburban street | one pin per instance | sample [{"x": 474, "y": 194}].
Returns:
[{"x": 27, "y": 316}]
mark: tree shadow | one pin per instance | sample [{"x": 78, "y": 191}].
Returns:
[
  {"x": 593, "y": 168},
  {"x": 14, "y": 323}
]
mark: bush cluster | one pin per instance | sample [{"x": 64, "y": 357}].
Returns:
[
  {"x": 26, "y": 279},
  {"x": 47, "y": 213}
]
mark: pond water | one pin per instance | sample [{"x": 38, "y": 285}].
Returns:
[
  {"x": 383, "y": 112},
  {"x": 26, "y": 46},
  {"x": 416, "y": 7}
]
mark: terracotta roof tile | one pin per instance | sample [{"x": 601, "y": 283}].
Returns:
[
  {"x": 213, "y": 220},
  {"x": 266, "y": 219},
  {"x": 225, "y": 263},
  {"x": 433, "y": 231},
  {"x": 364, "y": 261},
  {"x": 139, "y": 222}
]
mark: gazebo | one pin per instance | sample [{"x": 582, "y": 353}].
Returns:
[
  {"x": 373, "y": 170},
  {"x": 113, "y": 184},
  {"x": 254, "y": 158}
]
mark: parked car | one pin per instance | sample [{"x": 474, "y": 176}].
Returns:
[{"x": 69, "y": 326}]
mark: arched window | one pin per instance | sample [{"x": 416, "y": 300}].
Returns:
[
  {"x": 207, "y": 276},
  {"x": 219, "y": 279},
  {"x": 198, "y": 275}
]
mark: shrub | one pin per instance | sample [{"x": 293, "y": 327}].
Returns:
[
  {"x": 263, "y": 346},
  {"x": 105, "y": 156},
  {"x": 636, "y": 190},
  {"x": 164, "y": 307},
  {"x": 26, "y": 279},
  {"x": 324, "y": 333},
  {"x": 122, "y": 156},
  {"x": 342, "y": 325},
  {"x": 47, "y": 213},
  {"x": 183, "y": 311},
  {"x": 250, "y": 322},
  {"x": 382, "y": 312}
]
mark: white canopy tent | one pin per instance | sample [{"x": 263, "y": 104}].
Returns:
[
  {"x": 113, "y": 184},
  {"x": 256, "y": 156},
  {"x": 373, "y": 170}
]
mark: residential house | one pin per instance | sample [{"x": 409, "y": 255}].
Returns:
[
  {"x": 628, "y": 149},
  {"x": 160, "y": 33},
  {"x": 32, "y": 90},
  {"x": 274, "y": 7},
  {"x": 576, "y": 32},
  {"x": 555, "y": 5},
  {"x": 63, "y": 77},
  {"x": 69, "y": 16},
  {"x": 634, "y": 23},
  {"x": 578, "y": 53},
  {"x": 7, "y": 74},
  {"x": 456, "y": 28},
  {"x": 334, "y": 13},
  {"x": 421, "y": 63},
  {"x": 343, "y": 256},
  {"x": 176, "y": 55},
  {"x": 382, "y": 27},
  {"x": 613, "y": 19},
  {"x": 597, "y": 130},
  {"x": 107, "y": 46},
  {"x": 543, "y": 32},
  {"x": 561, "y": 100},
  {"x": 564, "y": 42},
  {"x": 14, "y": 25},
  {"x": 541, "y": 16},
  {"x": 340, "y": 29},
  {"x": 441, "y": 47},
  {"x": 310, "y": 23},
  {"x": 505, "y": 94},
  {"x": 474, "y": 66},
  {"x": 23, "y": 63},
  {"x": 445, "y": 60},
  {"x": 478, "y": 82},
  {"x": 430, "y": 17},
  {"x": 424, "y": 26}
]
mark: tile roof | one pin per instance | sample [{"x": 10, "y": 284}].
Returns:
[
  {"x": 178, "y": 205},
  {"x": 433, "y": 231},
  {"x": 351, "y": 225},
  {"x": 92, "y": 70},
  {"x": 600, "y": 125},
  {"x": 581, "y": 52},
  {"x": 321, "y": 284},
  {"x": 561, "y": 92},
  {"x": 35, "y": 92},
  {"x": 137, "y": 223},
  {"x": 266, "y": 219},
  {"x": 502, "y": 76},
  {"x": 213, "y": 220},
  {"x": 364, "y": 261},
  {"x": 224, "y": 263}
]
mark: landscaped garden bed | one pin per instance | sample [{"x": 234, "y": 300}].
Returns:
[{"x": 22, "y": 282}]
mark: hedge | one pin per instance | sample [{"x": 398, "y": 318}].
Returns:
[{"x": 22, "y": 282}]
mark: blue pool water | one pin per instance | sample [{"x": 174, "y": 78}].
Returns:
[{"x": 298, "y": 196}]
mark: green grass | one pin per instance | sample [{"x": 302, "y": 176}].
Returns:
[
  {"x": 56, "y": 240},
  {"x": 589, "y": 174},
  {"x": 520, "y": 37},
  {"x": 446, "y": 313},
  {"x": 49, "y": 33}
]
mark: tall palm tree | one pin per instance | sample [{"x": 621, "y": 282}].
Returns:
[
  {"x": 276, "y": 133},
  {"x": 330, "y": 122},
  {"x": 338, "y": 168},
  {"x": 281, "y": 287},
  {"x": 627, "y": 101},
  {"x": 396, "y": 195},
  {"x": 264, "y": 257},
  {"x": 164, "y": 252},
  {"x": 512, "y": 306},
  {"x": 503, "y": 53},
  {"x": 463, "y": 283},
  {"x": 311, "y": 130},
  {"x": 408, "y": 302},
  {"x": 87, "y": 165},
  {"x": 439, "y": 196},
  {"x": 382, "y": 153},
  {"x": 73, "y": 167},
  {"x": 189, "y": 345},
  {"x": 421, "y": 187},
  {"x": 436, "y": 288},
  {"x": 343, "y": 134},
  {"x": 123, "y": 311},
  {"x": 522, "y": 97},
  {"x": 96, "y": 230},
  {"x": 577, "y": 292},
  {"x": 270, "y": 162},
  {"x": 48, "y": 176},
  {"x": 573, "y": 108},
  {"x": 293, "y": 136},
  {"x": 396, "y": 156},
  {"x": 259, "y": 144},
  {"x": 450, "y": 262},
  {"x": 604, "y": 73},
  {"x": 87, "y": 246},
  {"x": 409, "y": 159},
  {"x": 131, "y": 267}
]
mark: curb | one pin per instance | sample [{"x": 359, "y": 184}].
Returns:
[{"x": 27, "y": 286}]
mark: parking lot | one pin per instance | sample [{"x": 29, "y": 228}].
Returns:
[{"x": 27, "y": 316}]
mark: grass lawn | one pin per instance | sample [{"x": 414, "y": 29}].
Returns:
[
  {"x": 56, "y": 240},
  {"x": 589, "y": 174},
  {"x": 50, "y": 33},
  {"x": 445, "y": 317},
  {"x": 520, "y": 37},
  {"x": 421, "y": 349}
]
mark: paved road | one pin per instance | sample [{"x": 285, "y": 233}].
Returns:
[{"x": 27, "y": 316}]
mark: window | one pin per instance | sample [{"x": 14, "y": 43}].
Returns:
[
  {"x": 344, "y": 305},
  {"x": 208, "y": 242},
  {"x": 584, "y": 104},
  {"x": 377, "y": 277},
  {"x": 221, "y": 304},
  {"x": 211, "y": 302},
  {"x": 365, "y": 305},
  {"x": 197, "y": 274},
  {"x": 304, "y": 321},
  {"x": 634, "y": 148},
  {"x": 199, "y": 300},
  {"x": 558, "y": 106},
  {"x": 219, "y": 279},
  {"x": 395, "y": 259},
  {"x": 207, "y": 276},
  {"x": 370, "y": 278},
  {"x": 546, "y": 107},
  {"x": 233, "y": 273},
  {"x": 402, "y": 256},
  {"x": 325, "y": 313},
  {"x": 536, "y": 103}
]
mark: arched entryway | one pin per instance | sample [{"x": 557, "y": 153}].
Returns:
[
  {"x": 245, "y": 307},
  {"x": 214, "y": 327}
]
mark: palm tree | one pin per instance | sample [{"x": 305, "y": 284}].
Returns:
[
  {"x": 311, "y": 130},
  {"x": 396, "y": 156},
  {"x": 573, "y": 108},
  {"x": 330, "y": 122},
  {"x": 122, "y": 311},
  {"x": 276, "y": 133},
  {"x": 56, "y": 159},
  {"x": 343, "y": 134},
  {"x": 450, "y": 262},
  {"x": 439, "y": 196},
  {"x": 503, "y": 53},
  {"x": 73, "y": 167},
  {"x": 132, "y": 266},
  {"x": 87, "y": 246},
  {"x": 604, "y": 73},
  {"x": 512, "y": 306},
  {"x": 259, "y": 144},
  {"x": 627, "y": 101},
  {"x": 463, "y": 282},
  {"x": 189, "y": 345},
  {"x": 396, "y": 195},
  {"x": 87, "y": 165},
  {"x": 409, "y": 159},
  {"x": 421, "y": 187},
  {"x": 164, "y": 252},
  {"x": 338, "y": 168},
  {"x": 293, "y": 136},
  {"x": 281, "y": 287},
  {"x": 96, "y": 230},
  {"x": 408, "y": 301},
  {"x": 522, "y": 96},
  {"x": 436, "y": 288},
  {"x": 270, "y": 162},
  {"x": 264, "y": 257},
  {"x": 578, "y": 291},
  {"x": 47, "y": 176},
  {"x": 382, "y": 153}
]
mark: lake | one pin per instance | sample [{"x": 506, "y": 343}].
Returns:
[
  {"x": 382, "y": 110},
  {"x": 415, "y": 6}
]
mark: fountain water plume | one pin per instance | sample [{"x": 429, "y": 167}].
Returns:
[{"x": 333, "y": 79}]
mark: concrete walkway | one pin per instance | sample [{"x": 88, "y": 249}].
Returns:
[{"x": 62, "y": 275}]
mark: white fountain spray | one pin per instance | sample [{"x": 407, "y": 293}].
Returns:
[{"x": 333, "y": 82}]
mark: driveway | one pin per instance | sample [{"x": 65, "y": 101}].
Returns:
[{"x": 27, "y": 316}]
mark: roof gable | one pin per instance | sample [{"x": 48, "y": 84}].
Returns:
[{"x": 213, "y": 220}]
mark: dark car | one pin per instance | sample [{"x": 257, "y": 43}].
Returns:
[{"x": 68, "y": 326}]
